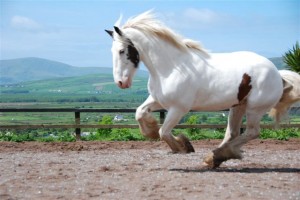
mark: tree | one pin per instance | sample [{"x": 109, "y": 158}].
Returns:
[{"x": 292, "y": 58}]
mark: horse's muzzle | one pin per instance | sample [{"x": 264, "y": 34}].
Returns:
[{"x": 124, "y": 84}]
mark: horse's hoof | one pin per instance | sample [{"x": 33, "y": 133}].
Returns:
[
  {"x": 187, "y": 146},
  {"x": 218, "y": 156},
  {"x": 211, "y": 161}
]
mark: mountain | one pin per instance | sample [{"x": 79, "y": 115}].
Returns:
[
  {"x": 278, "y": 62},
  {"x": 30, "y": 69}
]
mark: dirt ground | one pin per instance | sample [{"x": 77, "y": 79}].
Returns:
[{"x": 145, "y": 170}]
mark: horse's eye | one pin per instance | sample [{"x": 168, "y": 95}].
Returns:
[{"x": 121, "y": 51}]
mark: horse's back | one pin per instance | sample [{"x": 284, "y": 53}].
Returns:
[
  {"x": 265, "y": 81},
  {"x": 241, "y": 60}
]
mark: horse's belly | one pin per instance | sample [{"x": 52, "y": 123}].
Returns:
[{"x": 214, "y": 104}]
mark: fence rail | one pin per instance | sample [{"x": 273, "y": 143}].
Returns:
[{"x": 77, "y": 126}]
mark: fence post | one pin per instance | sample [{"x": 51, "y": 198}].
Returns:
[
  {"x": 77, "y": 121},
  {"x": 161, "y": 117}
]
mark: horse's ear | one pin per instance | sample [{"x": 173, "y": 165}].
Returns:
[
  {"x": 118, "y": 30},
  {"x": 110, "y": 32}
]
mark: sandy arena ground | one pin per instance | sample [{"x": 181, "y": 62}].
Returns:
[{"x": 145, "y": 170}]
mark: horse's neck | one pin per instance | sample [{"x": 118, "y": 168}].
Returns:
[
  {"x": 160, "y": 60},
  {"x": 158, "y": 55}
]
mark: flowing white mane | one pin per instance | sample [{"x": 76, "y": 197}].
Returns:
[{"x": 147, "y": 23}]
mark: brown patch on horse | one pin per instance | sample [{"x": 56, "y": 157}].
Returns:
[{"x": 244, "y": 87}]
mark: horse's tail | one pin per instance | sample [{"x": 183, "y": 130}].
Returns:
[{"x": 291, "y": 95}]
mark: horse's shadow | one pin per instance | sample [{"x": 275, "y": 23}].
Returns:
[{"x": 247, "y": 170}]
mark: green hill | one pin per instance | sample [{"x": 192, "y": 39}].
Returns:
[
  {"x": 30, "y": 69},
  {"x": 96, "y": 87}
]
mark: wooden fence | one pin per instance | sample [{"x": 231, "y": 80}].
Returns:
[{"x": 77, "y": 126}]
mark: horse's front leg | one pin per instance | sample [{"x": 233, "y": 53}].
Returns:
[
  {"x": 179, "y": 144},
  {"x": 147, "y": 123}
]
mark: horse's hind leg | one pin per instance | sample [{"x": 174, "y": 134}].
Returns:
[
  {"x": 252, "y": 129},
  {"x": 223, "y": 152},
  {"x": 231, "y": 150},
  {"x": 235, "y": 118}
]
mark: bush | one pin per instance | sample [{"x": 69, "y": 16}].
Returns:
[
  {"x": 122, "y": 134},
  {"x": 13, "y": 137},
  {"x": 280, "y": 134},
  {"x": 207, "y": 134},
  {"x": 106, "y": 120},
  {"x": 292, "y": 58},
  {"x": 191, "y": 121},
  {"x": 65, "y": 137},
  {"x": 33, "y": 136}
]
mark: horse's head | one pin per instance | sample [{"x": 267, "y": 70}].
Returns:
[{"x": 125, "y": 58}]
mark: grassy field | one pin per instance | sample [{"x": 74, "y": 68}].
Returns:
[{"x": 89, "y": 88}]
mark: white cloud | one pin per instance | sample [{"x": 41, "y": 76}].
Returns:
[
  {"x": 204, "y": 16},
  {"x": 24, "y": 23},
  {"x": 196, "y": 19}
]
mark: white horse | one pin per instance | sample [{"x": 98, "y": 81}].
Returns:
[{"x": 184, "y": 77}]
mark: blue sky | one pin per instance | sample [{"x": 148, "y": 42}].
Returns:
[{"x": 72, "y": 31}]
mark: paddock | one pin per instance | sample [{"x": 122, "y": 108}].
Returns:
[{"x": 146, "y": 170}]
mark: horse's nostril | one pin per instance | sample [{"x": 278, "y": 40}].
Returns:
[{"x": 120, "y": 83}]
